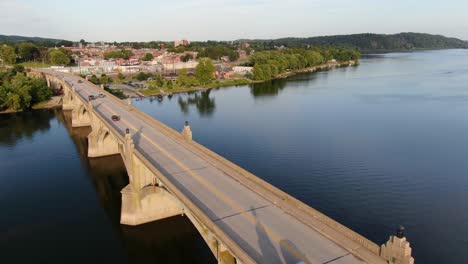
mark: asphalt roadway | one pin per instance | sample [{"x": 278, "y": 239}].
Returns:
[{"x": 264, "y": 231}]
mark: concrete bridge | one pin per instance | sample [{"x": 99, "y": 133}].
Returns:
[{"x": 242, "y": 218}]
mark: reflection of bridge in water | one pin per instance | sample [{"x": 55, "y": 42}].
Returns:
[{"x": 242, "y": 218}]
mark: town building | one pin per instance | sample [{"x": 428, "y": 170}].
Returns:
[{"x": 182, "y": 42}]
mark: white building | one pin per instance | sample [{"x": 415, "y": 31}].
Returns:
[{"x": 242, "y": 69}]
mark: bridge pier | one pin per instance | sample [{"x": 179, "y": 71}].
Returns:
[
  {"x": 144, "y": 199},
  {"x": 80, "y": 116},
  {"x": 149, "y": 204},
  {"x": 101, "y": 143}
]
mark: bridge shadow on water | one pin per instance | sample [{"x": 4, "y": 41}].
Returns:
[{"x": 172, "y": 240}]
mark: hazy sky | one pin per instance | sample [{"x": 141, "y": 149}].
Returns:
[{"x": 144, "y": 20}]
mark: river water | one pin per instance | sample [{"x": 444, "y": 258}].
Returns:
[{"x": 374, "y": 146}]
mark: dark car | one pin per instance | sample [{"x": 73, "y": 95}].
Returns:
[
  {"x": 101, "y": 96},
  {"x": 80, "y": 81},
  {"x": 115, "y": 118},
  {"x": 91, "y": 97}
]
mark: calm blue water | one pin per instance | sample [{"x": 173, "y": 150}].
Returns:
[{"x": 374, "y": 146}]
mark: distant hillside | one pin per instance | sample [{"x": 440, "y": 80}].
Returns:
[
  {"x": 368, "y": 42},
  {"x": 15, "y": 39}
]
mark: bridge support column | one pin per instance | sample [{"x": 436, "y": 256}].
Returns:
[
  {"x": 144, "y": 199},
  {"x": 397, "y": 250},
  {"x": 69, "y": 100},
  {"x": 149, "y": 204}
]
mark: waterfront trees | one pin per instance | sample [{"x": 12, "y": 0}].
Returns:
[
  {"x": 268, "y": 64},
  {"x": 20, "y": 92},
  {"x": 204, "y": 72}
]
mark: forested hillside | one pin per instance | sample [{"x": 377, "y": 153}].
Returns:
[
  {"x": 47, "y": 42},
  {"x": 367, "y": 43}
]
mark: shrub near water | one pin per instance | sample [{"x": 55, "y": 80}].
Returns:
[{"x": 20, "y": 92}]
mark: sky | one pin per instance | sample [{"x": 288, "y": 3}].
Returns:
[{"x": 146, "y": 20}]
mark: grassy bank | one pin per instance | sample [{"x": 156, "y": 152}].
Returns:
[
  {"x": 34, "y": 64},
  {"x": 215, "y": 84}
]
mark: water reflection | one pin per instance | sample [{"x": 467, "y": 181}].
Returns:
[
  {"x": 201, "y": 100},
  {"x": 18, "y": 126},
  {"x": 70, "y": 203},
  {"x": 268, "y": 88},
  {"x": 173, "y": 240}
]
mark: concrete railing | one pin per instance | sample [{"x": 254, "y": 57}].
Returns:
[
  {"x": 285, "y": 199},
  {"x": 286, "y": 202}
]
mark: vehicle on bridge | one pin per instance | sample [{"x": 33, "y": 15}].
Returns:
[
  {"x": 101, "y": 96},
  {"x": 91, "y": 97},
  {"x": 80, "y": 81},
  {"x": 115, "y": 118}
]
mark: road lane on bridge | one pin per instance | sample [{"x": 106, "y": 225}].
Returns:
[{"x": 260, "y": 228}]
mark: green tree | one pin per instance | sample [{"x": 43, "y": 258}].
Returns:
[
  {"x": 233, "y": 56},
  {"x": 28, "y": 51},
  {"x": 186, "y": 57},
  {"x": 7, "y": 54},
  {"x": 57, "y": 57},
  {"x": 204, "y": 72},
  {"x": 120, "y": 76},
  {"x": 39, "y": 90},
  {"x": 94, "y": 79},
  {"x": 159, "y": 79},
  {"x": 20, "y": 92},
  {"x": 258, "y": 73},
  {"x": 13, "y": 101},
  {"x": 105, "y": 79},
  {"x": 143, "y": 76},
  {"x": 118, "y": 54},
  {"x": 148, "y": 57}
]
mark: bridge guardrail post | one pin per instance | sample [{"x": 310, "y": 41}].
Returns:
[{"x": 187, "y": 132}]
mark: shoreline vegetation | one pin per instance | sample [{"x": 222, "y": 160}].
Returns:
[
  {"x": 19, "y": 92},
  {"x": 237, "y": 82},
  {"x": 264, "y": 65}
]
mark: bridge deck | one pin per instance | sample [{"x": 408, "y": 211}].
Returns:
[{"x": 262, "y": 229}]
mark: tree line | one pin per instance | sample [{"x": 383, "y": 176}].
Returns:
[
  {"x": 269, "y": 64},
  {"x": 27, "y": 51},
  {"x": 17, "y": 91},
  {"x": 365, "y": 43}
]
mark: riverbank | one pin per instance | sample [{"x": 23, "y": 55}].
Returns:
[
  {"x": 53, "y": 102},
  {"x": 227, "y": 83},
  {"x": 216, "y": 84}
]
